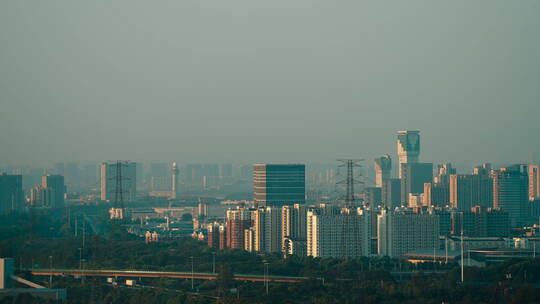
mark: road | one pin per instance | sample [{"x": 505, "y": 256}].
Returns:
[{"x": 160, "y": 274}]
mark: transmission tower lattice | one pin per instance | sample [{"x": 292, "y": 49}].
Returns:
[
  {"x": 350, "y": 181},
  {"x": 119, "y": 179},
  {"x": 349, "y": 223}
]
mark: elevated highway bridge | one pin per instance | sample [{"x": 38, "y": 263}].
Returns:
[{"x": 161, "y": 274}]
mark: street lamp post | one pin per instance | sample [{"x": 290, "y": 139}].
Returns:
[
  {"x": 434, "y": 252},
  {"x": 462, "y": 257},
  {"x": 446, "y": 250},
  {"x": 213, "y": 262},
  {"x": 50, "y": 271},
  {"x": 82, "y": 270},
  {"x": 83, "y": 232},
  {"x": 191, "y": 272},
  {"x": 80, "y": 259},
  {"x": 266, "y": 273}
]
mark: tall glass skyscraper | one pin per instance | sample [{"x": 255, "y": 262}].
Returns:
[
  {"x": 510, "y": 192},
  {"x": 56, "y": 184},
  {"x": 408, "y": 147},
  {"x": 279, "y": 184},
  {"x": 11, "y": 192}
]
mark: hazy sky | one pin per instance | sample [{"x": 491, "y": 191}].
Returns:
[{"x": 275, "y": 80}]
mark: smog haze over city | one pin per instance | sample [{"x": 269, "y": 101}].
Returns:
[
  {"x": 284, "y": 151},
  {"x": 245, "y": 81}
]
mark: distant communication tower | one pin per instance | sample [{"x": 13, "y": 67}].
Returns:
[
  {"x": 174, "y": 186},
  {"x": 350, "y": 181},
  {"x": 118, "y": 210}
]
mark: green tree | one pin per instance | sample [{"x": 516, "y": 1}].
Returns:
[
  {"x": 224, "y": 278},
  {"x": 187, "y": 217}
]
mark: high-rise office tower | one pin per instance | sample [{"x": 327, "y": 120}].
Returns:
[
  {"x": 267, "y": 229},
  {"x": 194, "y": 173},
  {"x": 402, "y": 232},
  {"x": 391, "y": 193},
  {"x": 215, "y": 234},
  {"x": 249, "y": 239},
  {"x": 510, "y": 192},
  {"x": 11, "y": 192},
  {"x": 90, "y": 175},
  {"x": 413, "y": 177},
  {"x": 212, "y": 237},
  {"x": 159, "y": 176},
  {"x": 72, "y": 176},
  {"x": 534, "y": 182},
  {"x": 483, "y": 170},
  {"x": 416, "y": 200},
  {"x": 109, "y": 180},
  {"x": 210, "y": 175},
  {"x": 245, "y": 171},
  {"x": 160, "y": 183},
  {"x": 442, "y": 176},
  {"x": 383, "y": 169},
  {"x": 7, "y": 270},
  {"x": 408, "y": 147},
  {"x": 31, "y": 177},
  {"x": 41, "y": 197},
  {"x": 57, "y": 189},
  {"x": 293, "y": 229},
  {"x": 436, "y": 194},
  {"x": 279, "y": 184},
  {"x": 202, "y": 210},
  {"x": 338, "y": 235},
  {"x": 467, "y": 191},
  {"x": 211, "y": 170},
  {"x": 258, "y": 225},
  {"x": 139, "y": 174},
  {"x": 373, "y": 196},
  {"x": 445, "y": 219},
  {"x": 237, "y": 221},
  {"x": 481, "y": 222},
  {"x": 225, "y": 170},
  {"x": 328, "y": 209}
]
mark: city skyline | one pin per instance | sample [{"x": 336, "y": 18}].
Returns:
[
  {"x": 367, "y": 162},
  {"x": 241, "y": 151},
  {"x": 530, "y": 157},
  {"x": 190, "y": 85}
]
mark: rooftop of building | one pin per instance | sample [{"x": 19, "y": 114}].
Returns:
[{"x": 430, "y": 254}]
